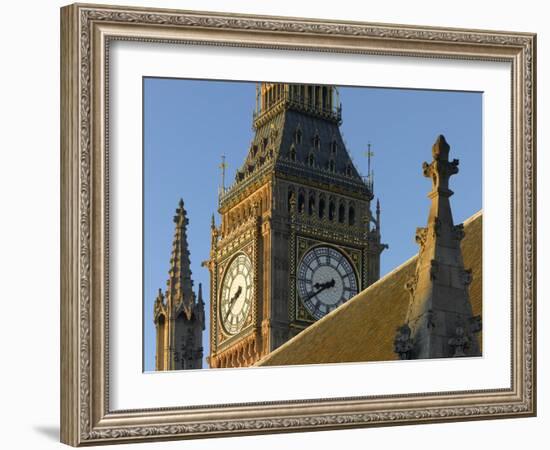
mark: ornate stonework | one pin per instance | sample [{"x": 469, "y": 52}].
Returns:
[
  {"x": 439, "y": 321},
  {"x": 297, "y": 189},
  {"x": 178, "y": 313}
]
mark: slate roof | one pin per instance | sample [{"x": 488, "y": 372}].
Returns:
[
  {"x": 363, "y": 329},
  {"x": 271, "y": 147}
]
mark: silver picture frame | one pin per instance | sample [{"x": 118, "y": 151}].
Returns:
[{"x": 87, "y": 32}]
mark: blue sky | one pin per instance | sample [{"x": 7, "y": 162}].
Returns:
[{"x": 189, "y": 124}]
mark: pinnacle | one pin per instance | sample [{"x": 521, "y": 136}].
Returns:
[
  {"x": 179, "y": 301},
  {"x": 440, "y": 149},
  {"x": 180, "y": 212},
  {"x": 180, "y": 282},
  {"x": 439, "y": 289}
]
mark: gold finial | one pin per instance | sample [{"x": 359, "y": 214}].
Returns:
[
  {"x": 223, "y": 166},
  {"x": 369, "y": 153}
]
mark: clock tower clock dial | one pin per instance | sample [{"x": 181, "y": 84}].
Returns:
[
  {"x": 236, "y": 294},
  {"x": 326, "y": 280}
]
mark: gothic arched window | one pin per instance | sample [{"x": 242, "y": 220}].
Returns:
[
  {"x": 298, "y": 136},
  {"x": 301, "y": 202},
  {"x": 311, "y": 159},
  {"x": 292, "y": 153},
  {"x": 342, "y": 213},
  {"x": 351, "y": 216},
  {"x": 331, "y": 165},
  {"x": 348, "y": 170},
  {"x": 311, "y": 205},
  {"x": 331, "y": 210},
  {"x": 316, "y": 142},
  {"x": 321, "y": 208},
  {"x": 333, "y": 147}
]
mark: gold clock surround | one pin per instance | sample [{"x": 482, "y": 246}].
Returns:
[{"x": 247, "y": 291}]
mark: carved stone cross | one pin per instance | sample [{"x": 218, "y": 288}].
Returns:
[{"x": 440, "y": 169}]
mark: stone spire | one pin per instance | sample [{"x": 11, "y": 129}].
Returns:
[
  {"x": 179, "y": 319},
  {"x": 180, "y": 285},
  {"x": 439, "y": 320}
]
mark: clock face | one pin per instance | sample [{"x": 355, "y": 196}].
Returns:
[
  {"x": 326, "y": 280},
  {"x": 236, "y": 294}
]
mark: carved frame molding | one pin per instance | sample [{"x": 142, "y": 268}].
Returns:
[{"x": 86, "y": 31}]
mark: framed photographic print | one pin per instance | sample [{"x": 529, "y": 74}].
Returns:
[{"x": 277, "y": 224}]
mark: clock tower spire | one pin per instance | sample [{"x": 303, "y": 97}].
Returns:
[{"x": 297, "y": 236}]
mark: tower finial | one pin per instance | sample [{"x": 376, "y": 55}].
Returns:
[
  {"x": 223, "y": 166},
  {"x": 440, "y": 169},
  {"x": 440, "y": 149},
  {"x": 180, "y": 213},
  {"x": 370, "y": 175},
  {"x": 369, "y": 155},
  {"x": 213, "y": 222}
]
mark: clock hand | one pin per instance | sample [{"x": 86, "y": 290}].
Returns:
[
  {"x": 324, "y": 285},
  {"x": 328, "y": 284},
  {"x": 237, "y": 293},
  {"x": 232, "y": 302},
  {"x": 321, "y": 287}
]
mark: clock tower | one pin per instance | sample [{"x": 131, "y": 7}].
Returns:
[{"x": 297, "y": 238}]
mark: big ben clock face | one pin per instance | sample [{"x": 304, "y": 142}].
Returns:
[
  {"x": 326, "y": 280},
  {"x": 236, "y": 294}
]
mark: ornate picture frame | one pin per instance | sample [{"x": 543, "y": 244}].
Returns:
[{"x": 87, "y": 31}]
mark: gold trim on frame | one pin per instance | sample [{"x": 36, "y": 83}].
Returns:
[{"x": 86, "y": 31}]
